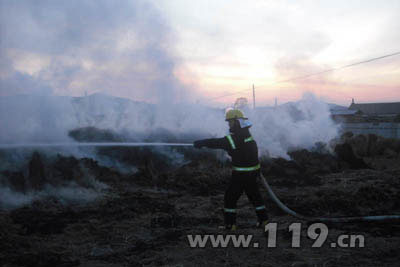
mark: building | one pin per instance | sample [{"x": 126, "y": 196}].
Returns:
[
  {"x": 382, "y": 119},
  {"x": 377, "y": 109},
  {"x": 343, "y": 115}
]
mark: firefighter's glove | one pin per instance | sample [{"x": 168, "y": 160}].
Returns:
[{"x": 198, "y": 144}]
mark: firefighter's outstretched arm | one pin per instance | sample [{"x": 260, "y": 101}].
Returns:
[{"x": 216, "y": 143}]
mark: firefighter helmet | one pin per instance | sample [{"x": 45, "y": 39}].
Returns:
[{"x": 233, "y": 114}]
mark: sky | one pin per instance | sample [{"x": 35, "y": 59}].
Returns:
[{"x": 197, "y": 51}]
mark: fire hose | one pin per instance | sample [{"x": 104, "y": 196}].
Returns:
[{"x": 323, "y": 219}]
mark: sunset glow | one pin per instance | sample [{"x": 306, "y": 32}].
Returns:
[
  {"x": 229, "y": 47},
  {"x": 202, "y": 51}
]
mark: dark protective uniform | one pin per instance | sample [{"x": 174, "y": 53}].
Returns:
[{"x": 241, "y": 146}]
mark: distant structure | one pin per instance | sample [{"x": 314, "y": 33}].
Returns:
[
  {"x": 377, "y": 109},
  {"x": 382, "y": 119},
  {"x": 254, "y": 97},
  {"x": 241, "y": 103},
  {"x": 342, "y": 115}
]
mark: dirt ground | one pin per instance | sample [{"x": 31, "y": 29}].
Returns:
[{"x": 143, "y": 219}]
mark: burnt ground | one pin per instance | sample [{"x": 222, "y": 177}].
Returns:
[{"x": 143, "y": 219}]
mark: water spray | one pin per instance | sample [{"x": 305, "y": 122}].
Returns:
[{"x": 83, "y": 144}]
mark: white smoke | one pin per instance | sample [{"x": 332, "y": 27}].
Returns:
[
  {"x": 123, "y": 48},
  {"x": 50, "y": 118},
  {"x": 298, "y": 125},
  {"x": 66, "y": 194}
]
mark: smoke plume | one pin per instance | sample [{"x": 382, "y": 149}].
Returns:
[{"x": 67, "y": 65}]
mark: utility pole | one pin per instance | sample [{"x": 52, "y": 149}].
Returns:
[{"x": 254, "y": 98}]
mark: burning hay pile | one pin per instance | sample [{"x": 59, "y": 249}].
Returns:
[{"x": 142, "y": 217}]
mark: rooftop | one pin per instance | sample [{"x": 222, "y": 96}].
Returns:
[{"x": 377, "y": 108}]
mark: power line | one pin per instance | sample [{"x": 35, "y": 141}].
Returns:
[
  {"x": 238, "y": 92},
  {"x": 314, "y": 74},
  {"x": 337, "y": 68}
]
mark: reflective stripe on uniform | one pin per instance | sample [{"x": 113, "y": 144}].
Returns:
[
  {"x": 230, "y": 139},
  {"x": 260, "y": 207},
  {"x": 246, "y": 169},
  {"x": 248, "y": 139},
  {"x": 230, "y": 210}
]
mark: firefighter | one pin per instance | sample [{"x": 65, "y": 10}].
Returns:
[{"x": 243, "y": 150}]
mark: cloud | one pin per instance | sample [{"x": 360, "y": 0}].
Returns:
[{"x": 123, "y": 47}]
